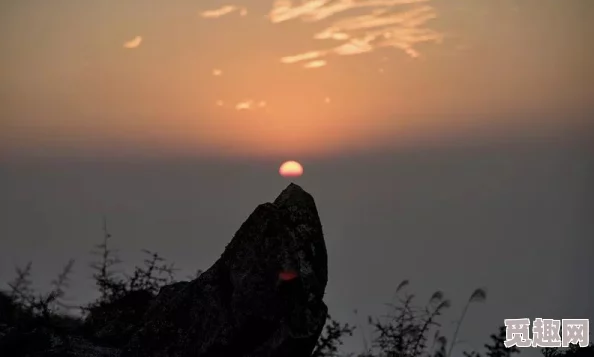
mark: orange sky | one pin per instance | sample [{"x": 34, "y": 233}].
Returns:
[{"x": 274, "y": 78}]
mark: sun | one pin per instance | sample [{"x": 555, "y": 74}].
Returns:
[{"x": 291, "y": 169}]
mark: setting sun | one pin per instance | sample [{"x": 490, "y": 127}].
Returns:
[{"x": 291, "y": 169}]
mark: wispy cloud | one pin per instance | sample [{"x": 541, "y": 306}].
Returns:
[
  {"x": 133, "y": 43},
  {"x": 399, "y": 24},
  {"x": 303, "y": 57},
  {"x": 315, "y": 64},
  {"x": 249, "y": 104},
  {"x": 384, "y": 26},
  {"x": 244, "y": 105},
  {"x": 223, "y": 10},
  {"x": 315, "y": 10}
]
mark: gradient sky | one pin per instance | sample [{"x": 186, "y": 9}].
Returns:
[
  {"x": 148, "y": 76},
  {"x": 445, "y": 141}
]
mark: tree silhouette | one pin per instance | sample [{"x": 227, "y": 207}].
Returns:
[
  {"x": 571, "y": 351},
  {"x": 497, "y": 347},
  {"x": 408, "y": 330},
  {"x": 328, "y": 343},
  {"x": 479, "y": 295}
]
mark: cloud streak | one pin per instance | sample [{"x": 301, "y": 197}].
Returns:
[
  {"x": 133, "y": 43},
  {"x": 385, "y": 26},
  {"x": 315, "y": 64},
  {"x": 398, "y": 24},
  {"x": 222, "y": 11},
  {"x": 250, "y": 104},
  {"x": 316, "y": 10}
]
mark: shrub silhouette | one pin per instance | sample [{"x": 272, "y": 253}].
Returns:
[
  {"x": 496, "y": 348},
  {"x": 331, "y": 338},
  {"x": 25, "y": 317},
  {"x": 123, "y": 298},
  {"x": 408, "y": 330}
]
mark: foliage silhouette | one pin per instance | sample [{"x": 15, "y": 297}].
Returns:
[
  {"x": 408, "y": 330},
  {"x": 497, "y": 347},
  {"x": 479, "y": 295},
  {"x": 405, "y": 331},
  {"x": 328, "y": 343},
  {"x": 572, "y": 351},
  {"x": 25, "y": 316},
  {"x": 124, "y": 298}
]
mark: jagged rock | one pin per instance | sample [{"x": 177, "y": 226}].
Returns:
[{"x": 263, "y": 297}]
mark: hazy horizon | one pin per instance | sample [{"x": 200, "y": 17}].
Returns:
[{"x": 511, "y": 216}]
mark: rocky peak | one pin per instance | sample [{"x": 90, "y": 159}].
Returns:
[{"x": 263, "y": 297}]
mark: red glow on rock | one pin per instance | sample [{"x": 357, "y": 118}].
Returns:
[{"x": 287, "y": 275}]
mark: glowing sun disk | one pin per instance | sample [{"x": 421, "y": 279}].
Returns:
[{"x": 291, "y": 169}]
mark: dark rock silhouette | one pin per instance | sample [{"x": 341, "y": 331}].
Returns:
[{"x": 262, "y": 297}]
